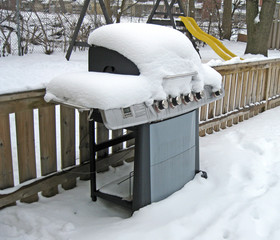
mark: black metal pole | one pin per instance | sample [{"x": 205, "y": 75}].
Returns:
[
  {"x": 105, "y": 13},
  {"x": 153, "y": 11},
  {"x": 92, "y": 152},
  {"x": 170, "y": 14},
  {"x": 77, "y": 29}
]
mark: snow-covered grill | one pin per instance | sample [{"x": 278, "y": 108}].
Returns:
[
  {"x": 105, "y": 60},
  {"x": 150, "y": 80}
]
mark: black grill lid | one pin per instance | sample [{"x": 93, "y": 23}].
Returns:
[{"x": 106, "y": 60}]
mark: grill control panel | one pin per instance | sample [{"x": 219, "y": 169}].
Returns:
[{"x": 160, "y": 110}]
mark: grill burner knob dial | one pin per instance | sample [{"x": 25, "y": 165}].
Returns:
[
  {"x": 161, "y": 105},
  {"x": 175, "y": 101},
  {"x": 217, "y": 93},
  {"x": 198, "y": 95},
  {"x": 187, "y": 98}
]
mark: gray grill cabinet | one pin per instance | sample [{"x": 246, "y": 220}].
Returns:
[
  {"x": 166, "y": 138},
  {"x": 166, "y": 158}
]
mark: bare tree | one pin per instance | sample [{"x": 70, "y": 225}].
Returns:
[
  {"x": 45, "y": 41},
  {"x": 236, "y": 5},
  {"x": 259, "y": 25},
  {"x": 108, "y": 8},
  {"x": 116, "y": 9},
  {"x": 227, "y": 17},
  {"x": 120, "y": 11},
  {"x": 7, "y": 23},
  {"x": 62, "y": 6},
  {"x": 217, "y": 6},
  {"x": 191, "y": 12},
  {"x": 6, "y": 33}
]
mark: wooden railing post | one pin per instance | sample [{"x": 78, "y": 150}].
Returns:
[
  {"x": 118, "y": 147},
  {"x": 218, "y": 110},
  {"x": 6, "y": 166},
  {"x": 278, "y": 80},
  {"x": 202, "y": 116},
  {"x": 211, "y": 107},
  {"x": 102, "y": 135},
  {"x": 84, "y": 141},
  {"x": 131, "y": 142},
  {"x": 238, "y": 95},
  {"x": 258, "y": 89},
  {"x": 267, "y": 86},
  {"x": 225, "y": 98},
  {"x": 47, "y": 133},
  {"x": 278, "y": 75},
  {"x": 26, "y": 150},
  {"x": 243, "y": 93},
  {"x": 67, "y": 116}
]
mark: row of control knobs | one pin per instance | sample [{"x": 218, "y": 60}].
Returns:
[{"x": 178, "y": 100}]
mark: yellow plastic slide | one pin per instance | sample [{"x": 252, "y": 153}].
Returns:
[{"x": 213, "y": 42}]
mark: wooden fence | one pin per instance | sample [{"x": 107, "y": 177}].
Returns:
[
  {"x": 274, "y": 38},
  {"x": 61, "y": 156}
]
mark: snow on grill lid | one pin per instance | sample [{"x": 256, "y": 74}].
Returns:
[
  {"x": 158, "y": 52},
  {"x": 154, "y": 49}
]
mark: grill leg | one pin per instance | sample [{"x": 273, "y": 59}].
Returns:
[
  {"x": 142, "y": 178},
  {"x": 92, "y": 153},
  {"x": 197, "y": 140}
]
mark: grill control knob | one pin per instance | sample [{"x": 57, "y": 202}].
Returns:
[
  {"x": 187, "y": 98},
  {"x": 198, "y": 95},
  {"x": 161, "y": 105},
  {"x": 175, "y": 101},
  {"x": 217, "y": 93}
]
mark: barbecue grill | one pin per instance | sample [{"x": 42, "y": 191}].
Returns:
[{"x": 165, "y": 129}]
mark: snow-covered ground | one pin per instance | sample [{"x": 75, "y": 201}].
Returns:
[
  {"x": 239, "y": 200},
  {"x": 33, "y": 71}
]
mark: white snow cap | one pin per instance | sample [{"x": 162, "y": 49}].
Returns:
[{"x": 157, "y": 51}]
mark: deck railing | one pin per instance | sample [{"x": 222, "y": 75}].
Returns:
[
  {"x": 274, "y": 38},
  {"x": 43, "y": 145}
]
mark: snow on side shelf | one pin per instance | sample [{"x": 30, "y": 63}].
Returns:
[
  {"x": 101, "y": 90},
  {"x": 157, "y": 52}
]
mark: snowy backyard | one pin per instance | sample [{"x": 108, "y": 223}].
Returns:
[{"x": 239, "y": 200}]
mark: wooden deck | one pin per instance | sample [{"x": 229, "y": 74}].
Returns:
[{"x": 250, "y": 88}]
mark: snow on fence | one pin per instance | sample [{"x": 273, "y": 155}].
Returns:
[
  {"x": 250, "y": 88},
  {"x": 43, "y": 164}
]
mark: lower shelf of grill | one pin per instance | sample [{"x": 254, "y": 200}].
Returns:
[{"x": 121, "y": 187}]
